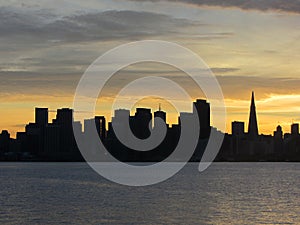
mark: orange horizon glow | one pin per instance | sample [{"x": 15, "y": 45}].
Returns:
[
  {"x": 246, "y": 50},
  {"x": 269, "y": 114}
]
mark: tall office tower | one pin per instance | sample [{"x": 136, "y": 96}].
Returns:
[
  {"x": 161, "y": 114},
  {"x": 99, "y": 123},
  {"x": 119, "y": 122},
  {"x": 252, "y": 126},
  {"x": 4, "y": 141},
  {"x": 101, "y": 126},
  {"x": 278, "y": 133},
  {"x": 295, "y": 129},
  {"x": 64, "y": 119},
  {"x": 41, "y": 116},
  {"x": 121, "y": 117},
  {"x": 238, "y": 129},
  {"x": 89, "y": 124},
  {"x": 278, "y": 141},
  {"x": 41, "y": 121},
  {"x": 203, "y": 110},
  {"x": 140, "y": 123}
]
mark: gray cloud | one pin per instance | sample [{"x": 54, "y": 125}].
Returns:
[
  {"x": 42, "y": 41},
  {"x": 108, "y": 25},
  {"x": 233, "y": 86},
  {"x": 292, "y": 6}
]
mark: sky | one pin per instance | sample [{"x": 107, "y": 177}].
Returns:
[{"x": 46, "y": 46}]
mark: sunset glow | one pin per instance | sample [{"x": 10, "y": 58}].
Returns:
[{"x": 247, "y": 48}]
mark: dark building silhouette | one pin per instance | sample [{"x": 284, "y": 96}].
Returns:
[
  {"x": 64, "y": 119},
  {"x": 101, "y": 126},
  {"x": 140, "y": 123},
  {"x": 36, "y": 132},
  {"x": 238, "y": 128},
  {"x": 121, "y": 117},
  {"x": 58, "y": 139},
  {"x": 4, "y": 141},
  {"x": 252, "y": 126},
  {"x": 44, "y": 141},
  {"x": 278, "y": 141},
  {"x": 41, "y": 116},
  {"x": 89, "y": 124},
  {"x": 295, "y": 129},
  {"x": 99, "y": 122},
  {"x": 160, "y": 114},
  {"x": 203, "y": 111},
  {"x": 278, "y": 133}
]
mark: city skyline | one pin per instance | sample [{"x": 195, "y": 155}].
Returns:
[
  {"x": 150, "y": 112},
  {"x": 252, "y": 113},
  {"x": 251, "y": 128},
  {"x": 61, "y": 138}
]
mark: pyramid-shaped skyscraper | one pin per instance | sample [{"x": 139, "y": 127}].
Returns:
[{"x": 252, "y": 126}]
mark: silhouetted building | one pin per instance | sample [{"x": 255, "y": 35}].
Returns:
[
  {"x": 278, "y": 142},
  {"x": 278, "y": 133},
  {"x": 95, "y": 124},
  {"x": 160, "y": 114},
  {"x": 88, "y": 125},
  {"x": 55, "y": 141},
  {"x": 238, "y": 128},
  {"x": 101, "y": 126},
  {"x": 4, "y": 141},
  {"x": 203, "y": 111},
  {"x": 68, "y": 147},
  {"x": 140, "y": 123},
  {"x": 252, "y": 126},
  {"x": 121, "y": 117},
  {"x": 41, "y": 116},
  {"x": 295, "y": 129}
]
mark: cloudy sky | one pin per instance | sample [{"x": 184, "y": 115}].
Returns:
[{"x": 45, "y": 47}]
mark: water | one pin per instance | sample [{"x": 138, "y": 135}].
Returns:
[{"x": 71, "y": 193}]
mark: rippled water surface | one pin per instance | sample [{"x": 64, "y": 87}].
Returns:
[{"x": 72, "y": 193}]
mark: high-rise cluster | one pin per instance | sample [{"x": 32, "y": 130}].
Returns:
[{"x": 55, "y": 141}]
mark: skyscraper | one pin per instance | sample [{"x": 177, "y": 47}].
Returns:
[
  {"x": 4, "y": 141},
  {"x": 161, "y": 114},
  {"x": 252, "y": 126},
  {"x": 278, "y": 133},
  {"x": 118, "y": 123},
  {"x": 64, "y": 119},
  {"x": 203, "y": 110},
  {"x": 238, "y": 128},
  {"x": 295, "y": 129},
  {"x": 99, "y": 122},
  {"x": 140, "y": 123},
  {"x": 41, "y": 116},
  {"x": 101, "y": 126}
]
